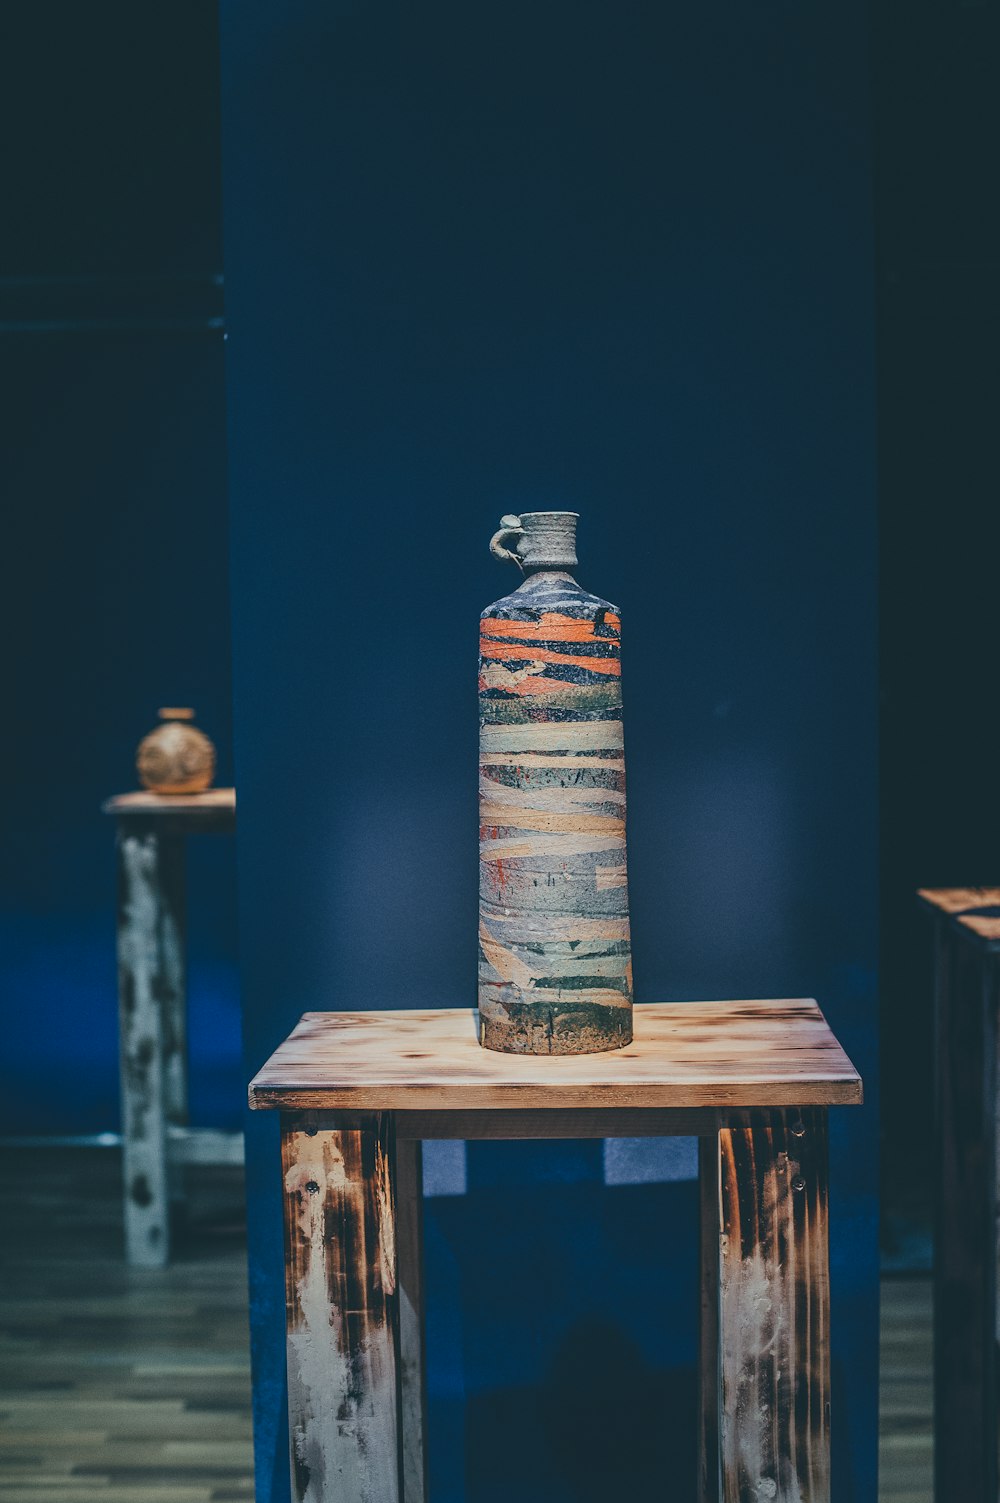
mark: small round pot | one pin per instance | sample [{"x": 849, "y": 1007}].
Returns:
[{"x": 176, "y": 757}]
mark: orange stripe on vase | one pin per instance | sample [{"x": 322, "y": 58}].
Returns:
[
  {"x": 523, "y": 681},
  {"x": 515, "y": 651},
  {"x": 551, "y": 627}
]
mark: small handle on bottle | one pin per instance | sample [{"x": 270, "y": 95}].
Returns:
[{"x": 510, "y": 527}]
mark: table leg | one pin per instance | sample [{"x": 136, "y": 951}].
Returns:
[
  {"x": 774, "y": 1309},
  {"x": 342, "y": 1311},
  {"x": 174, "y": 994},
  {"x": 141, "y": 986},
  {"x": 965, "y": 1359},
  {"x": 708, "y": 1365},
  {"x": 410, "y": 1259}
]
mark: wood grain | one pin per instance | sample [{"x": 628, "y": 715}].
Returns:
[
  {"x": 953, "y": 900},
  {"x": 984, "y": 927},
  {"x": 695, "y": 1054},
  {"x": 342, "y": 1313},
  {"x": 709, "y": 1392},
  {"x": 774, "y": 1310},
  {"x": 216, "y": 806},
  {"x": 506, "y": 1123},
  {"x": 410, "y": 1263},
  {"x": 974, "y": 910}
]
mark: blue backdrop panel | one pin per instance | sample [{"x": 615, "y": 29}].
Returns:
[
  {"x": 114, "y": 602},
  {"x": 616, "y": 259},
  {"x": 114, "y": 597}
]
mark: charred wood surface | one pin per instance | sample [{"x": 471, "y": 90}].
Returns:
[
  {"x": 774, "y": 1310},
  {"x": 708, "y": 1366},
  {"x": 342, "y": 1313},
  {"x": 410, "y": 1260}
]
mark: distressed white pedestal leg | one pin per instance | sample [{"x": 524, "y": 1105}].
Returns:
[
  {"x": 774, "y": 1309},
  {"x": 173, "y": 991},
  {"x": 146, "y": 964},
  {"x": 410, "y": 1255},
  {"x": 342, "y": 1311}
]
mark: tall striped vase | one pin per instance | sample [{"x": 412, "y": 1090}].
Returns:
[{"x": 555, "y": 967}]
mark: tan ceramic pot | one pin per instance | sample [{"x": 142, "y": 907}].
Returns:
[{"x": 176, "y": 757}]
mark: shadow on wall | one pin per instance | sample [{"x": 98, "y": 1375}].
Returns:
[
  {"x": 583, "y": 1439},
  {"x": 609, "y": 1409}
]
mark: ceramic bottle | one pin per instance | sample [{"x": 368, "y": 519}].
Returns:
[
  {"x": 555, "y": 969},
  {"x": 175, "y": 757}
]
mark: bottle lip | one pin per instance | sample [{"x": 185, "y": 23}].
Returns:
[
  {"x": 174, "y": 712},
  {"x": 524, "y": 514}
]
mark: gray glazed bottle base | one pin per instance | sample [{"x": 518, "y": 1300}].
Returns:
[{"x": 538, "y": 1028}]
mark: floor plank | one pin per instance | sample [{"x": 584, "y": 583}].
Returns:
[
  {"x": 119, "y": 1385},
  {"x": 906, "y": 1456}
]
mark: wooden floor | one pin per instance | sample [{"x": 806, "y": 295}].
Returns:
[
  {"x": 905, "y": 1396},
  {"x": 117, "y": 1385},
  {"x": 121, "y": 1386}
]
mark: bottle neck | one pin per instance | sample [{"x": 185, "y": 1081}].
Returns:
[{"x": 548, "y": 541}]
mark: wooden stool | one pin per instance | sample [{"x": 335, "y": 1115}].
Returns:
[
  {"x": 152, "y": 1004},
  {"x": 358, "y": 1092},
  {"x": 966, "y": 992}
]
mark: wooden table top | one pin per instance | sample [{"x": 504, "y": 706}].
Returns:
[
  {"x": 975, "y": 910},
  {"x": 215, "y": 805},
  {"x": 684, "y": 1054}
]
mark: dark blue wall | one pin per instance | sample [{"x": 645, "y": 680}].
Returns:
[
  {"x": 114, "y": 601},
  {"x": 617, "y": 259},
  {"x": 114, "y": 595},
  {"x": 938, "y": 233}
]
